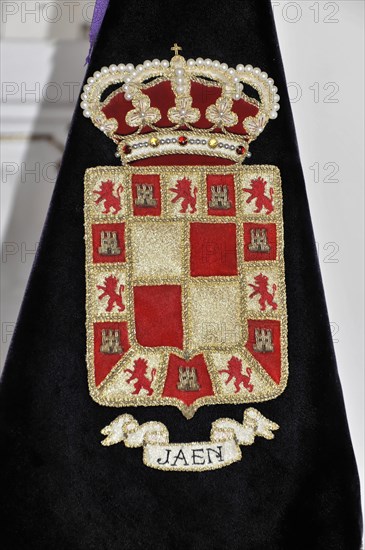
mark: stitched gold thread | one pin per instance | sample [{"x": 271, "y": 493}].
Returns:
[{"x": 266, "y": 388}]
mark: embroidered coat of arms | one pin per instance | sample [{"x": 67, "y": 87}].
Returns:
[{"x": 185, "y": 285}]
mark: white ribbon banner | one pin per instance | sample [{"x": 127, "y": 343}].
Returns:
[{"x": 226, "y": 437}]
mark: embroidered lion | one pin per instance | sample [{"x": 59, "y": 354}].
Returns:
[
  {"x": 106, "y": 194},
  {"x": 261, "y": 289},
  {"x": 234, "y": 371},
  {"x": 139, "y": 375},
  {"x": 183, "y": 190},
  {"x": 114, "y": 293},
  {"x": 257, "y": 193}
]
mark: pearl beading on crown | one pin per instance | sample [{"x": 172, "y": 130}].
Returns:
[{"x": 214, "y": 141}]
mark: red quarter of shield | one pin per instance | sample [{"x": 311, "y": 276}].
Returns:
[
  {"x": 158, "y": 315},
  {"x": 213, "y": 249},
  {"x": 187, "y": 380}
]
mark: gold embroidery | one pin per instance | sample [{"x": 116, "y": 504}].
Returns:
[
  {"x": 188, "y": 379},
  {"x": 109, "y": 244},
  {"x": 156, "y": 249},
  {"x": 220, "y": 198},
  {"x": 145, "y": 195},
  {"x": 110, "y": 342},
  {"x": 258, "y": 241},
  {"x": 263, "y": 340},
  {"x": 215, "y": 304},
  {"x": 157, "y": 253}
]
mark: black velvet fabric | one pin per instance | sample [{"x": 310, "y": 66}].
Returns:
[{"x": 62, "y": 489}]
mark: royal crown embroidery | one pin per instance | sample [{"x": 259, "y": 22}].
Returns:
[
  {"x": 186, "y": 301},
  {"x": 196, "y": 107}
]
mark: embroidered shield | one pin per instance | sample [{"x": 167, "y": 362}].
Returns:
[
  {"x": 185, "y": 285},
  {"x": 185, "y": 280}
]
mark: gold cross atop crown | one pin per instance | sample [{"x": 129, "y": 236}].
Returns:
[{"x": 176, "y": 49}]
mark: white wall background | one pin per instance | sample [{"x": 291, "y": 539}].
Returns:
[{"x": 322, "y": 43}]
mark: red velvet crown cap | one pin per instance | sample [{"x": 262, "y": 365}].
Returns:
[{"x": 162, "y": 96}]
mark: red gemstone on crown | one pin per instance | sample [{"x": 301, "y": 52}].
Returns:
[
  {"x": 240, "y": 150},
  {"x": 183, "y": 140},
  {"x": 127, "y": 149}
]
